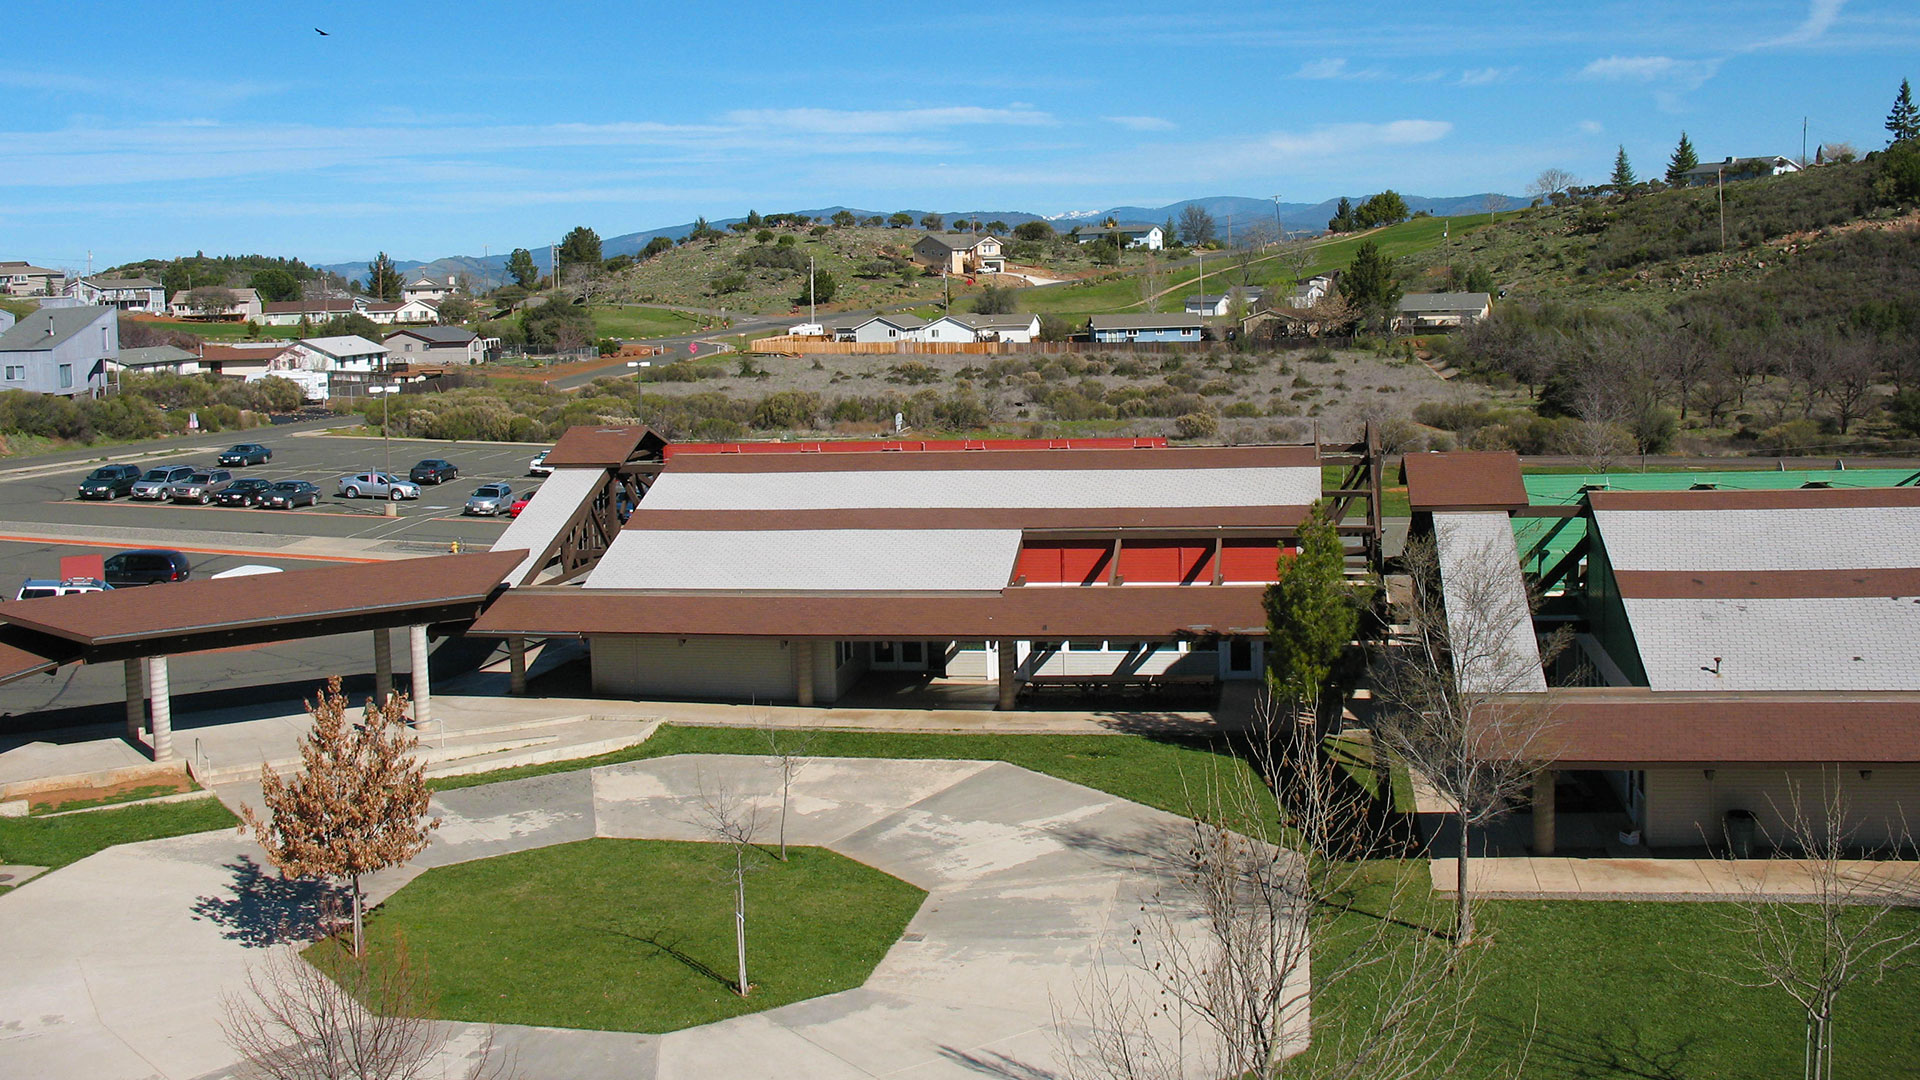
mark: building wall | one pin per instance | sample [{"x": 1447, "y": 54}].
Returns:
[
  {"x": 710, "y": 669},
  {"x": 1682, "y": 805},
  {"x": 1119, "y": 336},
  {"x": 874, "y": 332},
  {"x": 39, "y": 370}
]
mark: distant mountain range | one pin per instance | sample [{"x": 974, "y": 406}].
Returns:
[{"x": 1247, "y": 218}]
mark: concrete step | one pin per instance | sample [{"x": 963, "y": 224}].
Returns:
[
  {"x": 562, "y": 752},
  {"x": 433, "y": 755}
]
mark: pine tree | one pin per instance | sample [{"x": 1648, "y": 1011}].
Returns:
[
  {"x": 1904, "y": 120},
  {"x": 1311, "y": 614},
  {"x": 1369, "y": 284},
  {"x": 1682, "y": 160},
  {"x": 383, "y": 281},
  {"x": 520, "y": 266},
  {"x": 1622, "y": 171},
  {"x": 357, "y": 803}
]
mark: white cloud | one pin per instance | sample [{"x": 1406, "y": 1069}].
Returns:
[
  {"x": 1651, "y": 69},
  {"x": 1329, "y": 68},
  {"x": 1485, "y": 76},
  {"x": 1821, "y": 15},
  {"x": 882, "y": 121},
  {"x": 1590, "y": 127},
  {"x": 1336, "y": 139},
  {"x": 1141, "y": 123}
]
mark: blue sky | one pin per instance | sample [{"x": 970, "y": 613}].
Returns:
[{"x": 430, "y": 130}]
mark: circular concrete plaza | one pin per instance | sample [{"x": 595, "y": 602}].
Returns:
[{"x": 117, "y": 964}]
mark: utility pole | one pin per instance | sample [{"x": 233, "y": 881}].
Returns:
[
  {"x": 810, "y": 299},
  {"x": 1803, "y": 142},
  {"x": 1721, "y": 193},
  {"x": 1279, "y": 230}
]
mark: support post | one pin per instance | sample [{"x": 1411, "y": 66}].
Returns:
[
  {"x": 803, "y": 671},
  {"x": 136, "y": 697},
  {"x": 1543, "y": 824},
  {"x": 382, "y": 665},
  {"x": 422, "y": 685},
  {"x": 1009, "y": 667},
  {"x": 162, "y": 708},
  {"x": 516, "y": 665}
]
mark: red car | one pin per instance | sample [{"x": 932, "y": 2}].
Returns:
[{"x": 519, "y": 504}]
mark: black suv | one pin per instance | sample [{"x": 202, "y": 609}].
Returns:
[
  {"x": 148, "y": 566},
  {"x": 433, "y": 471},
  {"x": 109, "y": 481},
  {"x": 247, "y": 453}
]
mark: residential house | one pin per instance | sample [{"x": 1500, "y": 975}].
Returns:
[
  {"x": 64, "y": 351},
  {"x": 26, "y": 279},
  {"x": 1127, "y": 329},
  {"x": 250, "y": 360},
  {"x": 347, "y": 353},
  {"x": 1441, "y": 311},
  {"x": 954, "y": 253},
  {"x": 973, "y": 327},
  {"x": 151, "y": 359},
  {"x": 1137, "y": 235},
  {"x": 6, "y": 320},
  {"x": 1222, "y": 303},
  {"x": 414, "y": 311},
  {"x": 428, "y": 288},
  {"x": 446, "y": 345},
  {"x": 1732, "y": 169},
  {"x": 244, "y": 308},
  {"x": 1312, "y": 291},
  {"x": 885, "y": 328},
  {"x": 122, "y": 294},
  {"x": 314, "y": 312}
]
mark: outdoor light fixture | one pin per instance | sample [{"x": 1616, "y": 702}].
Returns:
[
  {"x": 1708, "y": 773},
  {"x": 1866, "y": 774}
]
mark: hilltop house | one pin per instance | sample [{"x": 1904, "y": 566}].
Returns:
[
  {"x": 440, "y": 345},
  {"x": 62, "y": 351},
  {"x": 1441, "y": 311},
  {"x": 1221, "y": 303},
  {"x": 121, "y": 294},
  {"x": 427, "y": 288},
  {"x": 1150, "y": 237},
  {"x": 244, "y": 308},
  {"x": 953, "y": 253},
  {"x": 26, "y": 279},
  {"x": 969, "y": 328},
  {"x": 1732, "y": 169},
  {"x": 1127, "y": 329}
]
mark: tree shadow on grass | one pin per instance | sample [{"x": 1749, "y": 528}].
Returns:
[
  {"x": 264, "y": 909},
  {"x": 1618, "y": 1050},
  {"x": 670, "y": 948}
]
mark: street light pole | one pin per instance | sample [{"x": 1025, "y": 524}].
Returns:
[
  {"x": 386, "y": 429},
  {"x": 639, "y": 390}
]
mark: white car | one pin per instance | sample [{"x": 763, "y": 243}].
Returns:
[
  {"x": 377, "y": 485},
  {"x": 808, "y": 329},
  {"x": 538, "y": 466},
  {"x": 35, "y": 588}
]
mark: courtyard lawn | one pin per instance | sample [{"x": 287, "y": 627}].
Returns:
[
  {"x": 57, "y": 841},
  {"x": 637, "y": 935},
  {"x": 640, "y": 323},
  {"x": 1166, "y": 773}
]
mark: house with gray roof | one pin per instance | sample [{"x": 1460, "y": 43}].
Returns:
[
  {"x": 970, "y": 327},
  {"x": 64, "y": 351},
  {"x": 440, "y": 345},
  {"x": 19, "y": 278},
  {"x": 1134, "y": 234},
  {"x": 1127, "y": 329},
  {"x": 122, "y": 294},
  {"x": 1221, "y": 303},
  {"x": 959, "y": 253},
  {"x": 884, "y": 328},
  {"x": 243, "y": 305},
  {"x": 171, "y": 359},
  {"x": 1440, "y": 311}
]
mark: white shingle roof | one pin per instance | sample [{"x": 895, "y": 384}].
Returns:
[
  {"x": 985, "y": 488},
  {"x": 869, "y": 560},
  {"x": 551, "y": 507},
  {"x": 1779, "y": 643},
  {"x": 1833, "y": 538},
  {"x": 1489, "y": 622}
]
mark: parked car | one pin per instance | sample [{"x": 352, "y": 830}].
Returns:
[
  {"x": 538, "y": 466},
  {"x": 109, "y": 481},
  {"x": 200, "y": 487},
  {"x": 377, "y": 485},
  {"x": 35, "y": 588},
  {"x": 147, "y": 566},
  {"x": 154, "y": 485},
  {"x": 246, "y": 491},
  {"x": 246, "y": 453},
  {"x": 287, "y": 494},
  {"x": 433, "y": 471},
  {"x": 519, "y": 504},
  {"x": 488, "y": 500}
]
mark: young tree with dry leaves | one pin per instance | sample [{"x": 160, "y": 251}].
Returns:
[
  {"x": 1853, "y": 924},
  {"x": 357, "y": 804},
  {"x": 734, "y": 821}
]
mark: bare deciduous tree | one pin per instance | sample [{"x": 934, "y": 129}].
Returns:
[
  {"x": 787, "y": 747},
  {"x": 1495, "y": 204},
  {"x": 1462, "y": 697},
  {"x": 734, "y": 821},
  {"x": 365, "y": 1021},
  {"x": 1850, "y": 929},
  {"x": 357, "y": 804},
  {"x": 211, "y": 300},
  {"x": 1551, "y": 182}
]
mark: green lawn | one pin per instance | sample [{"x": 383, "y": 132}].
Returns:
[
  {"x": 1639, "y": 991},
  {"x": 638, "y": 935},
  {"x": 641, "y": 323},
  {"x": 57, "y": 841},
  {"x": 1157, "y": 772}
]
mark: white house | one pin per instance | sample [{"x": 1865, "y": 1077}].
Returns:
[
  {"x": 428, "y": 288},
  {"x": 1150, "y": 237},
  {"x": 440, "y": 345},
  {"x": 292, "y": 312},
  {"x": 415, "y": 310},
  {"x": 25, "y": 279},
  {"x": 170, "y": 359},
  {"x": 969, "y": 328},
  {"x": 1441, "y": 311},
  {"x": 884, "y": 328},
  {"x": 348, "y": 353},
  {"x": 121, "y": 294},
  {"x": 244, "y": 308},
  {"x": 1311, "y": 291},
  {"x": 64, "y": 351},
  {"x": 1221, "y": 303},
  {"x": 1748, "y": 168}
]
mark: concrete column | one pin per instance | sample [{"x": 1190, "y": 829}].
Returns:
[
  {"x": 516, "y": 665},
  {"x": 803, "y": 671},
  {"x": 1543, "y": 825},
  {"x": 382, "y": 664},
  {"x": 162, "y": 708},
  {"x": 1009, "y": 668},
  {"x": 136, "y": 697},
  {"x": 422, "y": 685}
]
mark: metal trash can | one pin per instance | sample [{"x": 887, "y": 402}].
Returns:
[{"x": 1741, "y": 825}]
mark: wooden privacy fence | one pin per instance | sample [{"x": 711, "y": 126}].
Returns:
[{"x": 789, "y": 343}]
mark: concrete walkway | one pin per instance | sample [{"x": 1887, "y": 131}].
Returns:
[
  {"x": 1554, "y": 878},
  {"x": 117, "y": 964}
]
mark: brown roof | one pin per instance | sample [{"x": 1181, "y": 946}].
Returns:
[
  {"x": 226, "y": 354},
  {"x": 18, "y": 663},
  {"x": 1277, "y": 519},
  {"x": 1726, "y": 499},
  {"x": 295, "y": 307},
  {"x": 1752, "y": 585},
  {"x": 601, "y": 447},
  {"x": 1209, "y": 457},
  {"x": 1143, "y": 612},
  {"x": 206, "y": 606},
  {"x": 1636, "y": 727},
  {"x": 1464, "y": 480}
]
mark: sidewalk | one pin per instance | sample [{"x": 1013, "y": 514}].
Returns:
[{"x": 1557, "y": 878}]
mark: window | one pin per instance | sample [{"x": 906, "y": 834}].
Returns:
[
  {"x": 16, "y": 372},
  {"x": 104, "y": 347},
  {"x": 66, "y": 376},
  {"x": 1086, "y": 646}
]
